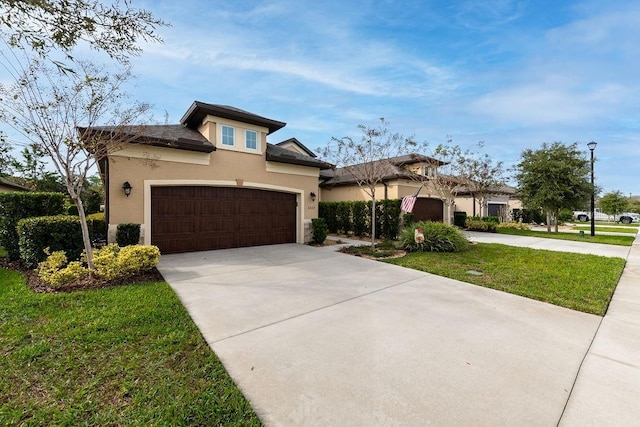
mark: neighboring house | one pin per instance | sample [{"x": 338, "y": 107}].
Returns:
[
  {"x": 340, "y": 185},
  {"x": 400, "y": 180},
  {"x": 8, "y": 186},
  {"x": 500, "y": 202},
  {"x": 212, "y": 182}
]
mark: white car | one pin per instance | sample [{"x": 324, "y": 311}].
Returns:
[{"x": 628, "y": 217}]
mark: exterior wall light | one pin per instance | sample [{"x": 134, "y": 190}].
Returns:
[
  {"x": 313, "y": 196},
  {"x": 126, "y": 187}
]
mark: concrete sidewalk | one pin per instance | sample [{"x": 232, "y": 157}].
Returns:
[
  {"x": 607, "y": 390},
  {"x": 550, "y": 244}
]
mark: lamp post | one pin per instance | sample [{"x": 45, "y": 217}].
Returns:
[{"x": 592, "y": 146}]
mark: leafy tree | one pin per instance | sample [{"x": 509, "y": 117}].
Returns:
[
  {"x": 58, "y": 112},
  {"x": 614, "y": 203},
  {"x": 367, "y": 159},
  {"x": 553, "y": 177},
  {"x": 46, "y": 25}
]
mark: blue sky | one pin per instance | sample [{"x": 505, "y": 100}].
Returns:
[{"x": 513, "y": 74}]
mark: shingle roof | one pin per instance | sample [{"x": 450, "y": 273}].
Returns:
[
  {"x": 199, "y": 110},
  {"x": 282, "y": 155},
  {"x": 171, "y": 136},
  {"x": 7, "y": 183},
  {"x": 300, "y": 144},
  {"x": 393, "y": 168}
]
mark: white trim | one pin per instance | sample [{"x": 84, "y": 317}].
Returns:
[
  {"x": 293, "y": 169},
  {"x": 148, "y": 183},
  {"x": 222, "y": 126},
  {"x": 246, "y": 140},
  {"x": 152, "y": 154}
]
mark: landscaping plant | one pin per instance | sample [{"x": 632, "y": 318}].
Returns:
[{"x": 438, "y": 237}]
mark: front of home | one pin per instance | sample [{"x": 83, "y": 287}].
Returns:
[{"x": 212, "y": 182}]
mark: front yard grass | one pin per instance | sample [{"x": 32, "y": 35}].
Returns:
[
  {"x": 128, "y": 355},
  {"x": 576, "y": 281},
  {"x": 598, "y": 238}
]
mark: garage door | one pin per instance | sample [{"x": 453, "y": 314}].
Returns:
[
  {"x": 186, "y": 219},
  {"x": 427, "y": 209}
]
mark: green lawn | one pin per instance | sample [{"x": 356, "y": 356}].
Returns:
[
  {"x": 576, "y": 281},
  {"x": 128, "y": 355},
  {"x": 602, "y": 238},
  {"x": 632, "y": 230},
  {"x": 606, "y": 223}
]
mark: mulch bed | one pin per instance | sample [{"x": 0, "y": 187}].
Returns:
[{"x": 87, "y": 282}]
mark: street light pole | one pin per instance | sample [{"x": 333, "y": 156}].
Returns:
[{"x": 592, "y": 146}]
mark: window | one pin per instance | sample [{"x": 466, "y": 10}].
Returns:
[
  {"x": 228, "y": 136},
  {"x": 251, "y": 139}
]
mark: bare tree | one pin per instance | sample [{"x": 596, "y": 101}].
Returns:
[
  {"x": 367, "y": 159},
  {"x": 483, "y": 176},
  {"x": 447, "y": 181},
  {"x": 59, "y": 114}
]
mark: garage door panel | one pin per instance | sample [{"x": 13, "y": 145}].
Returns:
[
  {"x": 428, "y": 209},
  {"x": 202, "y": 218}
]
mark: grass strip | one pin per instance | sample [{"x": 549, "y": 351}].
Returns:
[
  {"x": 602, "y": 238},
  {"x": 128, "y": 355},
  {"x": 631, "y": 230},
  {"x": 576, "y": 281}
]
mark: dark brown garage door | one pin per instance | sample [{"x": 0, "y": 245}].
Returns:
[
  {"x": 427, "y": 209},
  {"x": 186, "y": 219}
]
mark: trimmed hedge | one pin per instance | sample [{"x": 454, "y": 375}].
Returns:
[
  {"x": 16, "y": 206},
  {"x": 97, "y": 227},
  {"x": 58, "y": 233},
  {"x": 127, "y": 234},
  {"x": 355, "y": 217},
  {"x": 459, "y": 218}
]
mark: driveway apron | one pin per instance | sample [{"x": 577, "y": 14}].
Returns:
[{"x": 319, "y": 338}]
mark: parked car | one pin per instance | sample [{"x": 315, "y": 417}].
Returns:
[{"x": 625, "y": 217}]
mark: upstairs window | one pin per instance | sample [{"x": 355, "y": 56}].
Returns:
[
  {"x": 228, "y": 134},
  {"x": 251, "y": 139}
]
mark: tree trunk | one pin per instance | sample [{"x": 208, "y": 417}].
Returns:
[
  {"x": 557, "y": 213},
  {"x": 86, "y": 239},
  {"x": 548, "y": 221},
  {"x": 373, "y": 220}
]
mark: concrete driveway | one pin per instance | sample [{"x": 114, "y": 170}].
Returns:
[{"x": 315, "y": 337}]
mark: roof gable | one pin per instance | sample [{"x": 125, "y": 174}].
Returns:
[
  {"x": 199, "y": 110},
  {"x": 301, "y": 147}
]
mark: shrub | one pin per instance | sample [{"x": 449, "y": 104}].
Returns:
[
  {"x": 344, "y": 217},
  {"x": 16, "y": 206},
  {"x": 92, "y": 201},
  {"x": 438, "y": 237},
  {"x": 72, "y": 210},
  {"x": 55, "y": 271},
  {"x": 319, "y": 229},
  {"x": 390, "y": 220},
  {"x": 472, "y": 224},
  {"x": 112, "y": 261},
  {"x": 475, "y": 223},
  {"x": 59, "y": 233},
  {"x": 459, "y": 218},
  {"x": 359, "y": 214},
  {"x": 565, "y": 215},
  {"x": 128, "y": 234},
  {"x": 328, "y": 211},
  {"x": 407, "y": 220},
  {"x": 490, "y": 218},
  {"x": 97, "y": 227},
  {"x": 513, "y": 225}
]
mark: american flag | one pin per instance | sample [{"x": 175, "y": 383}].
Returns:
[{"x": 409, "y": 201}]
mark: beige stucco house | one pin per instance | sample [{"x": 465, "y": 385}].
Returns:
[
  {"x": 403, "y": 176},
  {"x": 212, "y": 182},
  {"x": 8, "y": 186}
]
